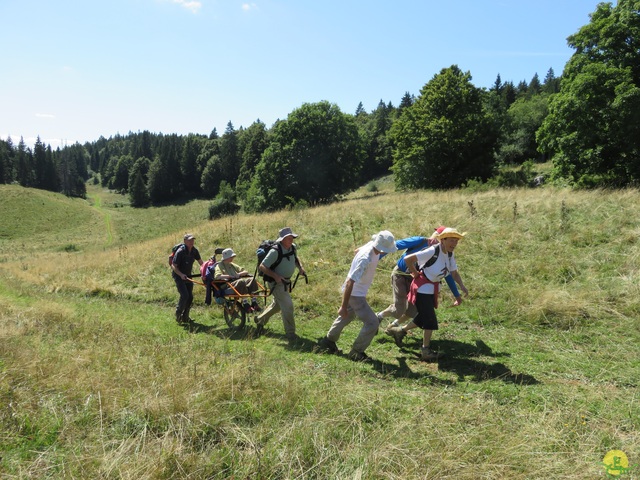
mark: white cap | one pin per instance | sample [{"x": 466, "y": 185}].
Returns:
[{"x": 384, "y": 242}]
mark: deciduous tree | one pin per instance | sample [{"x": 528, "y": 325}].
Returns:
[
  {"x": 445, "y": 137},
  {"x": 593, "y": 126},
  {"x": 314, "y": 155}
]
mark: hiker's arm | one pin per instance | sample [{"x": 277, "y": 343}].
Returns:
[
  {"x": 346, "y": 296},
  {"x": 219, "y": 275},
  {"x": 226, "y": 278},
  {"x": 410, "y": 261},
  {"x": 177, "y": 271},
  {"x": 300, "y": 267},
  {"x": 458, "y": 280},
  {"x": 267, "y": 271},
  {"x": 452, "y": 285}
]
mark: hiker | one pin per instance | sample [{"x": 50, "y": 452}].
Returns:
[
  {"x": 401, "y": 310},
  {"x": 279, "y": 265},
  {"x": 207, "y": 270},
  {"x": 181, "y": 265},
  {"x": 425, "y": 286},
  {"x": 239, "y": 278},
  {"x": 354, "y": 301}
]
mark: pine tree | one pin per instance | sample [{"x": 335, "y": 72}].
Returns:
[
  {"x": 138, "y": 196},
  {"x": 24, "y": 169},
  {"x": 229, "y": 158}
]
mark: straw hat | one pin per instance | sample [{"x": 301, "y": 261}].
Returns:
[{"x": 450, "y": 233}]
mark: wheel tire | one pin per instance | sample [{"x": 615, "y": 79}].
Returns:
[{"x": 234, "y": 315}]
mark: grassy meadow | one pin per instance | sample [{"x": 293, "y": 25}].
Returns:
[{"x": 539, "y": 381}]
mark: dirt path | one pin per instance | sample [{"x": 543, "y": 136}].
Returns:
[{"x": 97, "y": 204}]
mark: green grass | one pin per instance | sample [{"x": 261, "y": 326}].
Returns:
[{"x": 540, "y": 379}]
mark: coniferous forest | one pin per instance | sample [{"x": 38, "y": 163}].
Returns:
[{"x": 585, "y": 121}]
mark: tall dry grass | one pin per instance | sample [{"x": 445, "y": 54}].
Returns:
[{"x": 539, "y": 381}]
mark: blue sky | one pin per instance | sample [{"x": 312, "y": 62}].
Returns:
[{"x": 73, "y": 70}]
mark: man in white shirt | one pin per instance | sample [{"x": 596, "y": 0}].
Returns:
[{"x": 354, "y": 301}]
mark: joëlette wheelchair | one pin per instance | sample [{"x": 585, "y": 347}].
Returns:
[
  {"x": 226, "y": 295},
  {"x": 223, "y": 293}
]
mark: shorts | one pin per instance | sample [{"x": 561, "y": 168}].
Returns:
[{"x": 426, "y": 318}]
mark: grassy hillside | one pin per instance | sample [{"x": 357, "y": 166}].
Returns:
[{"x": 539, "y": 380}]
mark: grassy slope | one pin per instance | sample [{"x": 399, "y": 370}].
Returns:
[{"x": 540, "y": 378}]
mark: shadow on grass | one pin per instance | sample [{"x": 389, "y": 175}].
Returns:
[
  {"x": 464, "y": 360},
  {"x": 222, "y": 332}
]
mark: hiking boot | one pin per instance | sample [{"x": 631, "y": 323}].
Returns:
[
  {"x": 246, "y": 307},
  {"x": 397, "y": 333},
  {"x": 428, "y": 355},
  {"x": 326, "y": 345},
  {"x": 254, "y": 305},
  {"x": 292, "y": 337},
  {"x": 359, "y": 356}
]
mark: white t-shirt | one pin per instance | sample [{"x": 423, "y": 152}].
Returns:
[
  {"x": 363, "y": 268},
  {"x": 436, "y": 272}
]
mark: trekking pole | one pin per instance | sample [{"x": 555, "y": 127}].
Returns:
[{"x": 296, "y": 280}]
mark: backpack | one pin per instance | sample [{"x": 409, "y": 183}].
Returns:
[
  {"x": 433, "y": 259},
  {"x": 265, "y": 247},
  {"x": 174, "y": 249},
  {"x": 207, "y": 269}
]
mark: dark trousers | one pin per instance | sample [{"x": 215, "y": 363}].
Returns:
[
  {"x": 185, "y": 289},
  {"x": 426, "y": 318}
]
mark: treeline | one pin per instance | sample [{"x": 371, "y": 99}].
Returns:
[
  {"x": 586, "y": 121},
  {"x": 314, "y": 155},
  {"x": 62, "y": 171}
]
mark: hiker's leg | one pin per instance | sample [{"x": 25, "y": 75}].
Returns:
[
  {"x": 240, "y": 286},
  {"x": 252, "y": 285},
  {"x": 410, "y": 326},
  {"x": 400, "y": 285},
  {"x": 184, "y": 295},
  {"x": 339, "y": 323},
  {"x": 409, "y": 314},
  {"x": 285, "y": 303},
  {"x": 272, "y": 309},
  {"x": 426, "y": 340},
  {"x": 426, "y": 318},
  {"x": 189, "y": 302},
  {"x": 369, "y": 320}
]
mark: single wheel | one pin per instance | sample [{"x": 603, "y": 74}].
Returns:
[{"x": 234, "y": 315}]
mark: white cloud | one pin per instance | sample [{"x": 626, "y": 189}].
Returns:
[
  {"x": 45, "y": 115},
  {"x": 249, "y": 6},
  {"x": 192, "y": 5}
]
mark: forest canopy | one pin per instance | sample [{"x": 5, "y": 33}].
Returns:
[{"x": 586, "y": 121}]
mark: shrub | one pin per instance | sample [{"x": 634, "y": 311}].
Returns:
[{"x": 224, "y": 203}]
